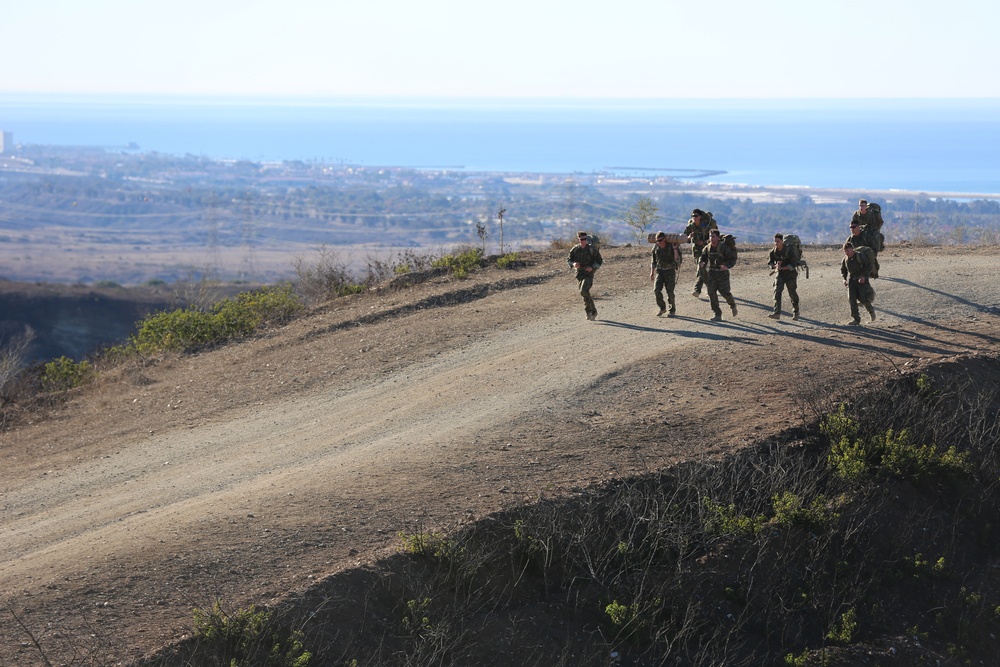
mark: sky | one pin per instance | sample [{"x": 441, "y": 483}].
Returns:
[{"x": 534, "y": 49}]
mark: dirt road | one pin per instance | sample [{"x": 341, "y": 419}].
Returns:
[{"x": 249, "y": 472}]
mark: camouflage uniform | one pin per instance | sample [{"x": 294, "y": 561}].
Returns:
[
  {"x": 586, "y": 256},
  {"x": 865, "y": 219},
  {"x": 697, "y": 232},
  {"x": 786, "y": 276},
  {"x": 863, "y": 239},
  {"x": 871, "y": 223},
  {"x": 665, "y": 262},
  {"x": 853, "y": 268},
  {"x": 717, "y": 278}
]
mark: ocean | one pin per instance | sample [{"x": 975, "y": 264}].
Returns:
[{"x": 915, "y": 145}]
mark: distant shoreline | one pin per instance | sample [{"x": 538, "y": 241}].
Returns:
[
  {"x": 913, "y": 146},
  {"x": 782, "y": 192}
]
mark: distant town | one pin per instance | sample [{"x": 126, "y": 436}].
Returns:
[{"x": 75, "y": 214}]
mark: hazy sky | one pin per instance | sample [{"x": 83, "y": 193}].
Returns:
[{"x": 508, "y": 48}]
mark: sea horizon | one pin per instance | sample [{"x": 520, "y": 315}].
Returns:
[{"x": 931, "y": 145}]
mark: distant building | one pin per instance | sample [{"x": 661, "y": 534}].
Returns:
[{"x": 6, "y": 142}]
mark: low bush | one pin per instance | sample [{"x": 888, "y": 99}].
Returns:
[
  {"x": 509, "y": 261},
  {"x": 460, "y": 264},
  {"x": 247, "y": 638},
  {"x": 191, "y": 329},
  {"x": 63, "y": 374}
]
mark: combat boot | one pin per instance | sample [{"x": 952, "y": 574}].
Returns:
[{"x": 775, "y": 316}]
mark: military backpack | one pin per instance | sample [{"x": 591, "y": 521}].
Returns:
[
  {"x": 729, "y": 242},
  {"x": 877, "y": 215},
  {"x": 793, "y": 252},
  {"x": 869, "y": 259}
]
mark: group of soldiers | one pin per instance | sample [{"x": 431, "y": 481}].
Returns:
[{"x": 716, "y": 255}]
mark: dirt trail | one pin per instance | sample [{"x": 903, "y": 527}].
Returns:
[{"x": 249, "y": 471}]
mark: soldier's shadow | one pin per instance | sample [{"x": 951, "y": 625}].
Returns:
[
  {"x": 962, "y": 300},
  {"x": 725, "y": 334}
]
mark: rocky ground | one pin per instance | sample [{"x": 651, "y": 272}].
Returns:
[{"x": 250, "y": 472}]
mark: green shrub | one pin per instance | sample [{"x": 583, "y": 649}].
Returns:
[
  {"x": 190, "y": 329},
  {"x": 63, "y": 373},
  {"x": 725, "y": 520},
  {"x": 179, "y": 330},
  {"x": 509, "y": 261},
  {"x": 249, "y": 311},
  {"x": 844, "y": 629},
  {"x": 461, "y": 264},
  {"x": 906, "y": 459},
  {"x": 621, "y": 614},
  {"x": 854, "y": 458},
  {"x": 249, "y": 637},
  {"x": 430, "y": 544},
  {"x": 789, "y": 510}
]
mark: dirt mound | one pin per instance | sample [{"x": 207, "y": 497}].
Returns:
[{"x": 249, "y": 472}]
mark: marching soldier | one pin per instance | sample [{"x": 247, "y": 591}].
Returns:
[
  {"x": 663, "y": 269},
  {"x": 856, "y": 270},
  {"x": 585, "y": 258},
  {"x": 716, "y": 260}
]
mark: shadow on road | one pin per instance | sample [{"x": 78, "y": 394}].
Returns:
[{"x": 992, "y": 310}]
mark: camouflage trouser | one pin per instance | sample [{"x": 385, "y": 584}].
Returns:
[
  {"x": 783, "y": 280},
  {"x": 665, "y": 278},
  {"x": 586, "y": 281},
  {"x": 718, "y": 284},
  {"x": 862, "y": 293},
  {"x": 699, "y": 276}
]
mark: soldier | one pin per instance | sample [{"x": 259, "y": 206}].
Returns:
[
  {"x": 865, "y": 236},
  {"x": 666, "y": 261},
  {"x": 697, "y": 231},
  {"x": 863, "y": 216},
  {"x": 868, "y": 218},
  {"x": 716, "y": 261},
  {"x": 785, "y": 276},
  {"x": 585, "y": 259},
  {"x": 856, "y": 269},
  {"x": 856, "y": 238}
]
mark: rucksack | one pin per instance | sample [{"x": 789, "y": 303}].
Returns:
[
  {"x": 710, "y": 221},
  {"x": 872, "y": 238},
  {"x": 729, "y": 241},
  {"x": 877, "y": 214},
  {"x": 793, "y": 252},
  {"x": 793, "y": 249},
  {"x": 869, "y": 258}
]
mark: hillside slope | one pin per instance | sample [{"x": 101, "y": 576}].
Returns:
[{"x": 247, "y": 472}]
